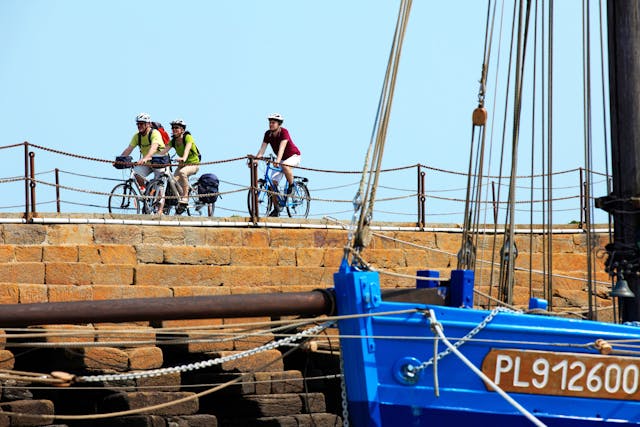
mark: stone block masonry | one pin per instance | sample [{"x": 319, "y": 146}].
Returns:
[{"x": 76, "y": 262}]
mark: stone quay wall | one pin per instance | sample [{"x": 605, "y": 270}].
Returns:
[
  {"x": 78, "y": 262},
  {"x": 49, "y": 261}
]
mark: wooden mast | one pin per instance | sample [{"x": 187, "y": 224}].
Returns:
[{"x": 623, "y": 17}]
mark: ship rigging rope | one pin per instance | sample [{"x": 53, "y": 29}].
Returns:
[{"x": 364, "y": 200}]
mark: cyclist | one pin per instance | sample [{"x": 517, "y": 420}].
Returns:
[
  {"x": 287, "y": 155},
  {"x": 150, "y": 142},
  {"x": 188, "y": 160}
]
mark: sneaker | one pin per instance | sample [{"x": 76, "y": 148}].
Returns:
[
  {"x": 182, "y": 206},
  {"x": 275, "y": 212},
  {"x": 290, "y": 188}
]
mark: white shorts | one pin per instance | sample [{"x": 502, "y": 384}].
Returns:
[
  {"x": 291, "y": 161},
  {"x": 144, "y": 171}
]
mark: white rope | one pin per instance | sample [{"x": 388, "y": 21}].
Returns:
[{"x": 437, "y": 327}]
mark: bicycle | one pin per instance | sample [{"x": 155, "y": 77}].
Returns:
[
  {"x": 296, "y": 203},
  {"x": 162, "y": 193},
  {"x": 126, "y": 197}
]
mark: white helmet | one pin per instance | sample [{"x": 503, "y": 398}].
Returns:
[
  {"x": 276, "y": 116},
  {"x": 179, "y": 122},
  {"x": 143, "y": 117}
]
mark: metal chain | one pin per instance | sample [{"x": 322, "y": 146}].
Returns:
[
  {"x": 466, "y": 338},
  {"x": 205, "y": 363},
  {"x": 343, "y": 395}
]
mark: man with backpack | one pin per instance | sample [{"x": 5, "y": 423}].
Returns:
[
  {"x": 150, "y": 141},
  {"x": 188, "y": 160}
]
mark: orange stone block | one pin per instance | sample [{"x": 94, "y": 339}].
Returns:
[
  {"x": 146, "y": 292},
  {"x": 191, "y": 291},
  {"x": 68, "y": 273},
  {"x": 7, "y": 359},
  {"x": 7, "y": 253},
  {"x": 28, "y": 272},
  {"x": 161, "y": 235},
  {"x": 103, "y": 292},
  {"x": 255, "y": 238},
  {"x": 178, "y": 275},
  {"x": 28, "y": 253},
  {"x": 144, "y": 358},
  {"x": 117, "y": 254},
  {"x": 286, "y": 256},
  {"x": 254, "y": 256},
  {"x": 223, "y": 237},
  {"x": 116, "y": 234},
  {"x": 298, "y": 238},
  {"x": 112, "y": 274},
  {"x": 30, "y": 294},
  {"x": 70, "y": 234},
  {"x": 60, "y": 253},
  {"x": 60, "y": 293},
  {"x": 119, "y": 332},
  {"x": 309, "y": 257},
  {"x": 385, "y": 258},
  {"x": 89, "y": 254},
  {"x": 9, "y": 293},
  {"x": 329, "y": 238}
]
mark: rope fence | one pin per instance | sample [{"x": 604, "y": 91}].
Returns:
[{"x": 405, "y": 193}]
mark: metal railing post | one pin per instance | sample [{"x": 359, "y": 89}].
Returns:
[
  {"x": 421, "y": 197},
  {"x": 26, "y": 181},
  {"x": 253, "y": 167},
  {"x": 32, "y": 182},
  {"x": 57, "y": 190},
  {"x": 582, "y": 202}
]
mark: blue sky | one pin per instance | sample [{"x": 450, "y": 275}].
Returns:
[{"x": 75, "y": 73}]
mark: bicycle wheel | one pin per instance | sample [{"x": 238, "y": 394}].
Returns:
[
  {"x": 298, "y": 203},
  {"x": 154, "y": 200},
  {"x": 264, "y": 199},
  {"x": 124, "y": 199}
]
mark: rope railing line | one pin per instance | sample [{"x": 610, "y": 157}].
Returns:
[
  {"x": 499, "y": 202},
  {"x": 399, "y": 168},
  {"x": 89, "y": 176},
  {"x": 100, "y": 193},
  {"x": 16, "y": 179},
  {"x": 19, "y": 144}
]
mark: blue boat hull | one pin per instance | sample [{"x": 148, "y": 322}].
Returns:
[{"x": 391, "y": 335}]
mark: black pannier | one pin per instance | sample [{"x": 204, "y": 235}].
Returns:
[
  {"x": 207, "y": 184},
  {"x": 123, "y": 162}
]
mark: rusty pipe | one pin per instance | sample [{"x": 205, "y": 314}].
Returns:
[{"x": 312, "y": 303}]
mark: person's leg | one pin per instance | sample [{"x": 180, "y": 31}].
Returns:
[
  {"x": 141, "y": 172},
  {"x": 287, "y": 169}
]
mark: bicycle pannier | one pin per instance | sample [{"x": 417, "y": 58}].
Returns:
[
  {"x": 207, "y": 184},
  {"x": 160, "y": 161},
  {"x": 123, "y": 162}
]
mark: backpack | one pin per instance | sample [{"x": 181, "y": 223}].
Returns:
[
  {"x": 193, "y": 144},
  {"x": 208, "y": 183},
  {"x": 157, "y": 126}
]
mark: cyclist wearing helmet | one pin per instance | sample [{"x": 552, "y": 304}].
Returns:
[
  {"x": 287, "y": 154},
  {"x": 150, "y": 142},
  {"x": 188, "y": 160}
]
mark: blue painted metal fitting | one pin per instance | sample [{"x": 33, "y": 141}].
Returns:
[
  {"x": 461, "y": 288},
  {"x": 538, "y": 303},
  {"x": 422, "y": 283}
]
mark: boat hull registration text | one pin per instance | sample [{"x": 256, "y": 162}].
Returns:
[{"x": 564, "y": 374}]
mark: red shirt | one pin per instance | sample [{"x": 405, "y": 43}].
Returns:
[{"x": 274, "y": 141}]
